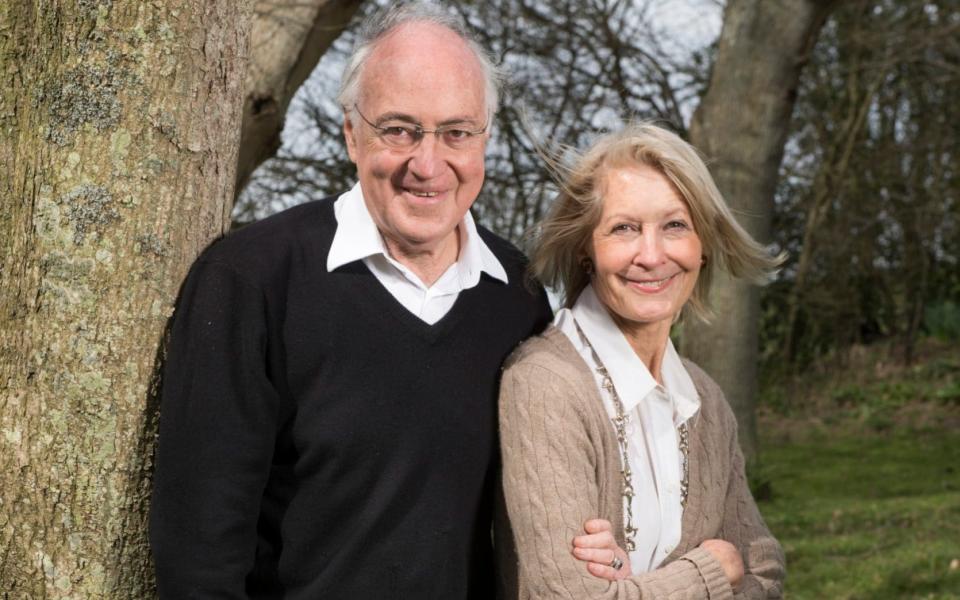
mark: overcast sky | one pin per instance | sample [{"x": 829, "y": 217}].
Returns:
[{"x": 690, "y": 23}]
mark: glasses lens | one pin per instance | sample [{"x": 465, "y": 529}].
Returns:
[
  {"x": 458, "y": 138},
  {"x": 399, "y": 135},
  {"x": 406, "y": 135}
]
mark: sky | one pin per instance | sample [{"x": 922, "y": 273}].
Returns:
[{"x": 690, "y": 23}]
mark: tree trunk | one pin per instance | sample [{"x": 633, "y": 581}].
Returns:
[
  {"x": 827, "y": 184},
  {"x": 288, "y": 38},
  {"x": 119, "y": 129},
  {"x": 120, "y": 125},
  {"x": 741, "y": 126}
]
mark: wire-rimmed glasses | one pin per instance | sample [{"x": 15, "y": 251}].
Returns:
[{"x": 404, "y": 135}]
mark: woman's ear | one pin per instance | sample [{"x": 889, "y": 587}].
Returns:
[{"x": 587, "y": 265}]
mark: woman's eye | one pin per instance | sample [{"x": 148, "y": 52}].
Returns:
[
  {"x": 677, "y": 225},
  {"x": 623, "y": 228}
]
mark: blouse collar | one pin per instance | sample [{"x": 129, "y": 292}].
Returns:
[{"x": 630, "y": 376}]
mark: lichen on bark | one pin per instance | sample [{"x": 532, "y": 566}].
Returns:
[{"x": 89, "y": 208}]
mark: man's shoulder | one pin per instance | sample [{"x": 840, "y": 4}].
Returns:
[
  {"x": 513, "y": 260},
  {"x": 508, "y": 254},
  {"x": 310, "y": 218},
  {"x": 304, "y": 229},
  {"x": 523, "y": 295}
]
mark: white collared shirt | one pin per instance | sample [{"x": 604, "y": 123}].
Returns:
[
  {"x": 655, "y": 412},
  {"x": 357, "y": 238}
]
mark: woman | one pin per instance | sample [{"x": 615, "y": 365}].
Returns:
[{"x": 600, "y": 417}]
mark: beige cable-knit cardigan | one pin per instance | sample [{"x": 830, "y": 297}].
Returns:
[{"x": 561, "y": 467}]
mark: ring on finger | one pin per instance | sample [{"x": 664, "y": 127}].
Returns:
[{"x": 616, "y": 563}]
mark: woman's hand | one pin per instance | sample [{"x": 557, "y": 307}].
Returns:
[
  {"x": 729, "y": 558},
  {"x": 598, "y": 548}
]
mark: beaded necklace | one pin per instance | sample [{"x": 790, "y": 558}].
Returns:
[{"x": 620, "y": 421}]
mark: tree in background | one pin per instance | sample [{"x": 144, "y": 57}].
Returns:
[
  {"x": 741, "y": 126},
  {"x": 120, "y": 127},
  {"x": 868, "y": 201},
  {"x": 288, "y": 39}
]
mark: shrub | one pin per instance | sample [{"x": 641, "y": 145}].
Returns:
[{"x": 942, "y": 320}]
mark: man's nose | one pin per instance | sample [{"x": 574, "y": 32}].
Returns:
[{"x": 425, "y": 160}]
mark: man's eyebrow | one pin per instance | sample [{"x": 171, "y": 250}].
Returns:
[
  {"x": 399, "y": 116},
  {"x": 461, "y": 120}
]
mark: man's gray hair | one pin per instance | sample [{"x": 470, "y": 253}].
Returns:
[{"x": 375, "y": 28}]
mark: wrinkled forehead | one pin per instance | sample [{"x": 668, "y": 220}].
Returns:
[{"x": 422, "y": 64}]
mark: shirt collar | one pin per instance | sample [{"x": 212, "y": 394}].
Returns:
[
  {"x": 679, "y": 384},
  {"x": 629, "y": 375},
  {"x": 357, "y": 238},
  {"x": 476, "y": 256}
]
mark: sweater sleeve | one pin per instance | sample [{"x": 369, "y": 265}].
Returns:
[
  {"x": 217, "y": 429},
  {"x": 763, "y": 559},
  {"x": 550, "y": 484}
]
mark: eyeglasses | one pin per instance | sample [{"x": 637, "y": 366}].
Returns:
[{"x": 406, "y": 136}]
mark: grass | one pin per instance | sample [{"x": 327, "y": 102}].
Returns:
[
  {"x": 865, "y": 481},
  {"x": 868, "y": 517}
]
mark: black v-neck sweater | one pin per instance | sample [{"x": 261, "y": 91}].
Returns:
[{"x": 317, "y": 440}]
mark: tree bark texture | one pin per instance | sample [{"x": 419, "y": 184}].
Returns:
[
  {"x": 741, "y": 126},
  {"x": 119, "y": 129},
  {"x": 287, "y": 40}
]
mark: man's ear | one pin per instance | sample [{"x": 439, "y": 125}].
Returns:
[{"x": 349, "y": 135}]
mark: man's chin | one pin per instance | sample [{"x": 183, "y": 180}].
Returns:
[{"x": 420, "y": 234}]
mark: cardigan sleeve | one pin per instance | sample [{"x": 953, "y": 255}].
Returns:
[
  {"x": 551, "y": 462},
  {"x": 763, "y": 559},
  {"x": 218, "y": 417}
]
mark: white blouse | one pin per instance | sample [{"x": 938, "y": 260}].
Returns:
[{"x": 655, "y": 413}]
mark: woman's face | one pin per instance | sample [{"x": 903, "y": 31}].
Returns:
[{"x": 645, "y": 253}]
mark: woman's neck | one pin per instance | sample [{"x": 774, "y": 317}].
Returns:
[{"x": 649, "y": 341}]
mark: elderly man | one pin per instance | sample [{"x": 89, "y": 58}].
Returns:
[{"x": 328, "y": 422}]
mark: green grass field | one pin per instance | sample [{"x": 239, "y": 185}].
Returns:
[
  {"x": 868, "y": 517},
  {"x": 866, "y": 493}
]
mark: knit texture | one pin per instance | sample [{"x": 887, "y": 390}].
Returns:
[
  {"x": 561, "y": 467},
  {"x": 318, "y": 440}
]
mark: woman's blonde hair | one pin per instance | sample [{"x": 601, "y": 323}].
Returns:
[{"x": 561, "y": 240}]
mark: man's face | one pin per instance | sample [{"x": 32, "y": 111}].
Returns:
[{"x": 425, "y": 75}]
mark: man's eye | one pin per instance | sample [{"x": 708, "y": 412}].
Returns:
[
  {"x": 397, "y": 131},
  {"x": 457, "y": 134}
]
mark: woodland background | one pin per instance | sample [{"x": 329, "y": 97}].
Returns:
[{"x": 128, "y": 129}]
